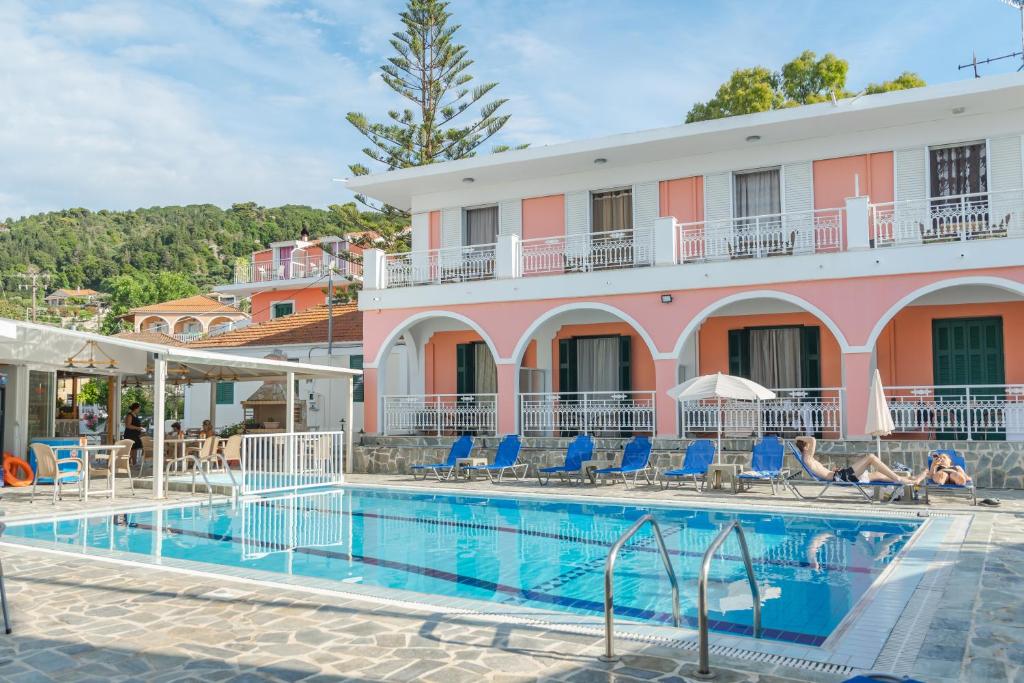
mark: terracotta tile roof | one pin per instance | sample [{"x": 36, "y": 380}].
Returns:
[
  {"x": 306, "y": 326},
  {"x": 151, "y": 338},
  {"x": 190, "y": 304}
]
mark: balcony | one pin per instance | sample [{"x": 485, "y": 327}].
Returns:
[
  {"x": 298, "y": 267},
  {"x": 604, "y": 413},
  {"x": 780, "y": 234},
  {"x": 793, "y": 412},
  {"x": 440, "y": 414},
  {"x": 584, "y": 253},
  {"x": 983, "y": 215},
  {"x": 437, "y": 266},
  {"x": 982, "y": 412}
]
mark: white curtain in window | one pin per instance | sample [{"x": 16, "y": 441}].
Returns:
[
  {"x": 775, "y": 357},
  {"x": 612, "y": 210},
  {"x": 597, "y": 364},
  {"x": 484, "y": 370},
  {"x": 482, "y": 225},
  {"x": 757, "y": 193},
  {"x": 958, "y": 170}
]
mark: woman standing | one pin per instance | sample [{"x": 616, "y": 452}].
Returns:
[{"x": 133, "y": 429}]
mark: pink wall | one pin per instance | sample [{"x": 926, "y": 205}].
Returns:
[
  {"x": 303, "y": 298},
  {"x": 642, "y": 376},
  {"x": 440, "y": 361},
  {"x": 544, "y": 216},
  {"x": 435, "y": 230},
  {"x": 834, "y": 179},
  {"x": 682, "y": 198}
]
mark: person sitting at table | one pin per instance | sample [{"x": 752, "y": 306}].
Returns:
[
  {"x": 858, "y": 471},
  {"x": 176, "y": 431},
  {"x": 207, "y": 431}
]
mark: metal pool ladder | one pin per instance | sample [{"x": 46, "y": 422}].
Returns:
[
  {"x": 704, "y": 667},
  {"x": 609, "y": 587}
]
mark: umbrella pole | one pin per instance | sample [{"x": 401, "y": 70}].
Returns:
[
  {"x": 719, "y": 449},
  {"x": 878, "y": 445}
]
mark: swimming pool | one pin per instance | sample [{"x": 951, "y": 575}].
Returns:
[{"x": 546, "y": 554}]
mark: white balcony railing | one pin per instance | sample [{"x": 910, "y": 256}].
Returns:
[
  {"x": 959, "y": 412},
  {"x": 186, "y": 337},
  {"x": 584, "y": 252},
  {"x": 290, "y": 461},
  {"x": 982, "y": 215},
  {"x": 797, "y": 232},
  {"x": 792, "y": 412},
  {"x": 297, "y": 267},
  {"x": 439, "y": 414},
  {"x": 435, "y": 266},
  {"x": 594, "y": 412}
]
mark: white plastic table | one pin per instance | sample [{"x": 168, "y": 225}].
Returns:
[{"x": 91, "y": 451}]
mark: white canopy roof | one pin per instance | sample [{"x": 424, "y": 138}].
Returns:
[
  {"x": 46, "y": 347},
  {"x": 720, "y": 386}
]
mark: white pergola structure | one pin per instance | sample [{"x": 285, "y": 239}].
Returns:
[{"x": 27, "y": 346}]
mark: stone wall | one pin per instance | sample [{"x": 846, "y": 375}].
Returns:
[{"x": 992, "y": 464}]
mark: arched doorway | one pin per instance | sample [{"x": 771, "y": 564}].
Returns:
[{"x": 154, "y": 323}]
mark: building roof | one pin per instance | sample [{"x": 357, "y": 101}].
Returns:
[
  {"x": 308, "y": 326},
  {"x": 190, "y": 304},
  {"x": 781, "y": 126},
  {"x": 151, "y": 338},
  {"x": 73, "y": 292}
]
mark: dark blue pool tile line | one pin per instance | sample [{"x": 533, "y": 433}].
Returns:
[{"x": 532, "y": 595}]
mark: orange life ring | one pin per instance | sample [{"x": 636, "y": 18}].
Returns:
[{"x": 14, "y": 466}]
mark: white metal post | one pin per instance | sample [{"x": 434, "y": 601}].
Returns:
[
  {"x": 159, "y": 387},
  {"x": 289, "y": 403},
  {"x": 347, "y": 403}
]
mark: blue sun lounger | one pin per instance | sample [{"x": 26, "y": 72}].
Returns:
[
  {"x": 462, "y": 448},
  {"x": 862, "y": 487},
  {"x": 636, "y": 460},
  {"x": 699, "y": 456},
  {"x": 765, "y": 464},
  {"x": 507, "y": 458},
  {"x": 580, "y": 449},
  {"x": 957, "y": 459}
]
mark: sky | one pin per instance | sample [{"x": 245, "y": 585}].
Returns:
[{"x": 126, "y": 104}]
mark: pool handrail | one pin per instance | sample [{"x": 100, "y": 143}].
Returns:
[
  {"x": 609, "y": 587},
  {"x": 704, "y": 667}
]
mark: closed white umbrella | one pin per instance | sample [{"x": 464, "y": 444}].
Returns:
[
  {"x": 879, "y": 421},
  {"x": 718, "y": 387}
]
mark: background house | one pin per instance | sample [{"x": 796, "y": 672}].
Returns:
[{"x": 187, "y": 319}]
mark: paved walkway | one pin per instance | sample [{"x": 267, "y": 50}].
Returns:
[{"x": 79, "y": 619}]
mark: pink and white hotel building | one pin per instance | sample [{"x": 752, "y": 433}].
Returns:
[{"x": 567, "y": 287}]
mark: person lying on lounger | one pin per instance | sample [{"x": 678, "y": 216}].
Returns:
[
  {"x": 858, "y": 471},
  {"x": 943, "y": 471}
]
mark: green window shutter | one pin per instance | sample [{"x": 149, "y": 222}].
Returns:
[
  {"x": 567, "y": 380},
  {"x": 356, "y": 363},
  {"x": 967, "y": 351},
  {"x": 625, "y": 363},
  {"x": 225, "y": 393},
  {"x": 279, "y": 310},
  {"x": 465, "y": 375},
  {"x": 810, "y": 356},
  {"x": 739, "y": 353}
]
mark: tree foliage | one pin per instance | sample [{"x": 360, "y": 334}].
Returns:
[{"x": 804, "y": 80}]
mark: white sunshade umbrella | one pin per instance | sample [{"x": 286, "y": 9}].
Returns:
[
  {"x": 879, "y": 421},
  {"x": 718, "y": 387}
]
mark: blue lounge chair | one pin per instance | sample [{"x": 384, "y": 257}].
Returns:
[
  {"x": 462, "y": 448},
  {"x": 636, "y": 460},
  {"x": 699, "y": 456},
  {"x": 862, "y": 487},
  {"x": 765, "y": 464},
  {"x": 580, "y": 449},
  {"x": 507, "y": 458},
  {"x": 957, "y": 459}
]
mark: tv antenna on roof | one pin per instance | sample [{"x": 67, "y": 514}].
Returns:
[{"x": 1019, "y": 6}]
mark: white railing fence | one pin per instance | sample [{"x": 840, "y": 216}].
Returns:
[
  {"x": 434, "y": 266},
  {"x": 593, "y": 412},
  {"x": 441, "y": 414},
  {"x": 189, "y": 336},
  {"x": 585, "y": 252},
  {"x": 297, "y": 267},
  {"x": 791, "y": 413},
  {"x": 290, "y": 461},
  {"x": 284, "y": 523},
  {"x": 796, "y": 232},
  {"x": 958, "y": 412},
  {"x": 982, "y": 215}
]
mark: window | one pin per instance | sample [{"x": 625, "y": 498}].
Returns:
[
  {"x": 481, "y": 225},
  {"x": 757, "y": 193},
  {"x": 227, "y": 300},
  {"x": 356, "y": 363},
  {"x": 611, "y": 210},
  {"x": 225, "y": 393},
  {"x": 958, "y": 169},
  {"x": 476, "y": 372},
  {"x": 282, "y": 308},
  {"x": 786, "y": 357},
  {"x": 595, "y": 364}
]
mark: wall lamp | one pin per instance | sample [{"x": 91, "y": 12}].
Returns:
[{"x": 666, "y": 298}]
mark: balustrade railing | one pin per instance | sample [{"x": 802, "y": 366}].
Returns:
[
  {"x": 297, "y": 267},
  {"x": 290, "y": 461},
  {"x": 982, "y": 215},
  {"x": 436, "y": 266},
  {"x": 440, "y": 414},
  {"x": 959, "y": 411},
  {"x": 791, "y": 413},
  {"x": 593, "y": 412},
  {"x": 796, "y": 232},
  {"x": 585, "y": 252}
]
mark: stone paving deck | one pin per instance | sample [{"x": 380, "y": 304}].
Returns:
[{"x": 81, "y": 619}]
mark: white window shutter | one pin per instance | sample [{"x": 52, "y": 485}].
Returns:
[
  {"x": 717, "y": 215},
  {"x": 510, "y": 217},
  {"x": 1005, "y": 180},
  {"x": 420, "y": 231},
  {"x": 451, "y": 236},
  {"x": 577, "y": 223},
  {"x": 798, "y": 204},
  {"x": 645, "y": 212},
  {"x": 912, "y": 211}
]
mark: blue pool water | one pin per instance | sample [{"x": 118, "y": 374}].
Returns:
[{"x": 536, "y": 553}]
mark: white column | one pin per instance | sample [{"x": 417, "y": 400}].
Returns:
[
  {"x": 159, "y": 387},
  {"x": 857, "y": 233},
  {"x": 115, "y": 417},
  {"x": 375, "y": 270},
  {"x": 665, "y": 249},
  {"x": 346, "y": 402},
  {"x": 213, "y": 404},
  {"x": 289, "y": 403},
  {"x": 507, "y": 264}
]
